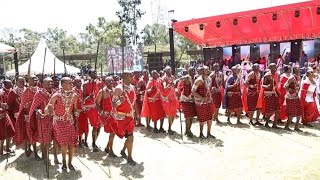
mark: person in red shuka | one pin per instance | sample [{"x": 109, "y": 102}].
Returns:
[
  {"x": 123, "y": 99},
  {"x": 23, "y": 126},
  {"x": 138, "y": 84},
  {"x": 282, "y": 90},
  {"x": 6, "y": 126},
  {"x": 271, "y": 98},
  {"x": 216, "y": 90},
  {"x": 14, "y": 99},
  {"x": 187, "y": 99},
  {"x": 43, "y": 122},
  {"x": 104, "y": 107},
  {"x": 152, "y": 105},
  {"x": 292, "y": 100},
  {"x": 63, "y": 107},
  {"x": 83, "y": 126},
  {"x": 203, "y": 100},
  {"x": 90, "y": 91},
  {"x": 169, "y": 100},
  {"x": 252, "y": 83},
  {"x": 308, "y": 93}
]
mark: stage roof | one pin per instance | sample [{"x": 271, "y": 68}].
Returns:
[{"x": 287, "y": 26}]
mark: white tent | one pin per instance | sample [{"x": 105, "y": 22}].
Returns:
[
  {"x": 5, "y": 48},
  {"x": 37, "y": 60}
]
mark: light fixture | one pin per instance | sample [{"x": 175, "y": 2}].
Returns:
[
  {"x": 274, "y": 44},
  {"x": 218, "y": 24},
  {"x": 254, "y": 19},
  {"x": 296, "y": 43},
  {"x": 235, "y": 22},
  {"x": 201, "y": 27},
  {"x": 318, "y": 10},
  {"x": 254, "y": 46},
  {"x": 186, "y": 29},
  {"x": 274, "y": 16},
  {"x": 235, "y": 47},
  {"x": 296, "y": 13}
]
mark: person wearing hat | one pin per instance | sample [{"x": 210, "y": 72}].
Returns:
[
  {"x": 169, "y": 100},
  {"x": 232, "y": 100}
]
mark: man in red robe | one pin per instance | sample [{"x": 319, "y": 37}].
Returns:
[
  {"x": 187, "y": 99},
  {"x": 308, "y": 94},
  {"x": 216, "y": 89},
  {"x": 6, "y": 126},
  {"x": 152, "y": 106},
  {"x": 14, "y": 99},
  {"x": 140, "y": 87},
  {"x": 252, "y": 83},
  {"x": 201, "y": 92},
  {"x": 123, "y": 103},
  {"x": 168, "y": 96},
  {"x": 292, "y": 100},
  {"x": 22, "y": 124},
  {"x": 271, "y": 98},
  {"x": 90, "y": 91},
  {"x": 43, "y": 122},
  {"x": 104, "y": 107},
  {"x": 83, "y": 126},
  {"x": 63, "y": 107}
]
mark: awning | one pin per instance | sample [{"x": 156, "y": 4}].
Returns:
[
  {"x": 274, "y": 24},
  {"x": 5, "y": 48}
]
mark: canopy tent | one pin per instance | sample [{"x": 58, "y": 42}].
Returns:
[
  {"x": 274, "y": 24},
  {"x": 5, "y": 48},
  {"x": 37, "y": 60}
]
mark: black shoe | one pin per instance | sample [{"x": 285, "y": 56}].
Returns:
[
  {"x": 123, "y": 154},
  {"x": 162, "y": 130},
  {"x": 202, "y": 136},
  {"x": 71, "y": 167},
  {"x": 131, "y": 162},
  {"x": 211, "y": 136},
  {"x": 171, "y": 132},
  {"x": 64, "y": 166},
  {"x": 155, "y": 130},
  {"x": 112, "y": 155}
]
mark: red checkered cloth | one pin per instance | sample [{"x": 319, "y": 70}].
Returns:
[
  {"x": 14, "y": 101},
  {"x": 64, "y": 131},
  {"x": 217, "y": 99},
  {"x": 252, "y": 99},
  {"x": 204, "y": 111},
  {"x": 6, "y": 127},
  {"x": 234, "y": 101},
  {"x": 293, "y": 107},
  {"x": 188, "y": 108},
  {"x": 44, "y": 125},
  {"x": 271, "y": 104},
  {"x": 20, "y": 126}
]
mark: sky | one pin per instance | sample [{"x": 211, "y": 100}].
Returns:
[{"x": 74, "y": 15}]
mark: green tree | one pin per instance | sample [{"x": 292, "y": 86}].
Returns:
[
  {"x": 155, "y": 34},
  {"x": 183, "y": 44},
  {"x": 128, "y": 15}
]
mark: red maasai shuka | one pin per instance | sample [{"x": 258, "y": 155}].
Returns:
[
  {"x": 83, "y": 125},
  {"x": 126, "y": 125},
  {"x": 14, "y": 100},
  {"x": 310, "y": 111},
  {"x": 6, "y": 126},
  {"x": 91, "y": 113},
  {"x": 261, "y": 104},
  {"x": 64, "y": 131},
  {"x": 44, "y": 124},
  {"x": 169, "y": 100},
  {"x": 188, "y": 108},
  {"x": 20, "y": 126},
  {"x": 150, "y": 108},
  {"x": 140, "y": 96},
  {"x": 204, "y": 111},
  {"x": 110, "y": 125},
  {"x": 282, "y": 91}
]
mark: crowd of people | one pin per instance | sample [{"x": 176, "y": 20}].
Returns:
[{"x": 59, "y": 111}]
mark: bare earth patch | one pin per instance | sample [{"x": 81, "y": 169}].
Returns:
[{"x": 239, "y": 152}]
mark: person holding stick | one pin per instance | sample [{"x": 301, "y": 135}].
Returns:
[{"x": 63, "y": 107}]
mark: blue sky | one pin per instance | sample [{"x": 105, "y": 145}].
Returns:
[{"x": 74, "y": 15}]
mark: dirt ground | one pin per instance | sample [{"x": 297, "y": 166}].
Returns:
[{"x": 239, "y": 152}]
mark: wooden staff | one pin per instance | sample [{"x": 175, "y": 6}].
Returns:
[
  {"x": 64, "y": 62},
  {"x": 95, "y": 63},
  {"x": 54, "y": 67}
]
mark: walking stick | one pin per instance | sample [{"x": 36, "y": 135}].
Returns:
[
  {"x": 180, "y": 120},
  {"x": 47, "y": 154}
]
